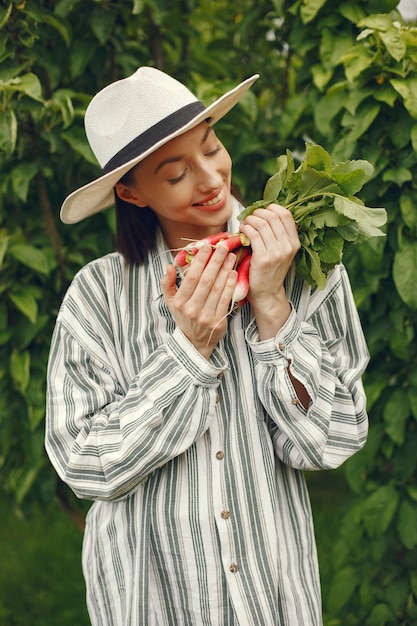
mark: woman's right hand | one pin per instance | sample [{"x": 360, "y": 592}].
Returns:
[{"x": 202, "y": 302}]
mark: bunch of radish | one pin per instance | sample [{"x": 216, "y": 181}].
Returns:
[{"x": 237, "y": 243}]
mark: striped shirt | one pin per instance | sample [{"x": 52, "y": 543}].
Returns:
[{"x": 201, "y": 515}]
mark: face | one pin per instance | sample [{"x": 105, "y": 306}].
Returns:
[{"x": 187, "y": 184}]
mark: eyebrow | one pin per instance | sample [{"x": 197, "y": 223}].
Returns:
[{"x": 175, "y": 159}]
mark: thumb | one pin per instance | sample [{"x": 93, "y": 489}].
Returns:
[{"x": 168, "y": 283}]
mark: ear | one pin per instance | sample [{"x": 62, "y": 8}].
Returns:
[{"x": 129, "y": 195}]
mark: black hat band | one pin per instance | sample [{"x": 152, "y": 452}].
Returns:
[{"x": 153, "y": 135}]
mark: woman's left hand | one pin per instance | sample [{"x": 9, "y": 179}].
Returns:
[{"x": 274, "y": 241}]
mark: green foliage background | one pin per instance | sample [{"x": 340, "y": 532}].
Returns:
[{"x": 341, "y": 73}]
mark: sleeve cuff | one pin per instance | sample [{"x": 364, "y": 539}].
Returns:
[
  {"x": 278, "y": 347},
  {"x": 204, "y": 372}
]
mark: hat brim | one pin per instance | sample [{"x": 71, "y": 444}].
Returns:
[{"x": 99, "y": 194}]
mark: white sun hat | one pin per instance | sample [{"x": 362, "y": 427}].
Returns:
[{"x": 131, "y": 118}]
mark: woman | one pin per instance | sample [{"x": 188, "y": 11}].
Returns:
[{"x": 190, "y": 428}]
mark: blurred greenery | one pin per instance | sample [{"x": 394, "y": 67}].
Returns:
[{"x": 41, "y": 582}]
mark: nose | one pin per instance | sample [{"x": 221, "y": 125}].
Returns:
[{"x": 209, "y": 176}]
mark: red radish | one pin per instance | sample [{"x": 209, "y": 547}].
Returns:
[
  {"x": 182, "y": 258},
  {"x": 213, "y": 239},
  {"x": 232, "y": 241},
  {"x": 235, "y": 241},
  {"x": 242, "y": 286},
  {"x": 241, "y": 253}
]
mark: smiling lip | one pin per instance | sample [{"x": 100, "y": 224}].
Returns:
[{"x": 214, "y": 201}]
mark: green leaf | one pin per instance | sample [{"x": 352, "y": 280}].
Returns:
[
  {"x": 326, "y": 217},
  {"x": 412, "y": 398},
  {"x": 331, "y": 254},
  {"x": 414, "y": 137},
  {"x": 26, "y": 302},
  {"x": 343, "y": 585},
  {"x": 60, "y": 25},
  {"x": 399, "y": 176},
  {"x": 407, "y": 88},
  {"x": 317, "y": 158},
  {"x": 30, "y": 256},
  {"x": 396, "y": 412},
  {"x": 369, "y": 220},
  {"x": 309, "y": 183},
  {"x": 20, "y": 369},
  {"x": 321, "y": 76},
  {"x": 81, "y": 56},
  {"x": 273, "y": 187},
  {"x": 314, "y": 275},
  {"x": 407, "y": 524},
  {"x": 8, "y": 131},
  {"x": 381, "y": 22},
  {"x": 352, "y": 175},
  {"x": 4, "y": 243},
  {"x": 362, "y": 119},
  {"x": 5, "y": 14},
  {"x": 309, "y": 9},
  {"x": 62, "y": 100},
  {"x": 405, "y": 272},
  {"x": 357, "y": 61},
  {"x": 21, "y": 177},
  {"x": 394, "y": 43},
  {"x": 102, "y": 22},
  {"x": 351, "y": 12},
  {"x": 412, "y": 492},
  {"x": 379, "y": 510},
  {"x": 30, "y": 85},
  {"x": 76, "y": 139},
  {"x": 381, "y": 614},
  {"x": 138, "y": 6}
]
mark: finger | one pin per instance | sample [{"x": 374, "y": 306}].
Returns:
[
  {"x": 267, "y": 226},
  {"x": 219, "y": 296},
  {"x": 203, "y": 271},
  {"x": 285, "y": 217},
  {"x": 168, "y": 283}
]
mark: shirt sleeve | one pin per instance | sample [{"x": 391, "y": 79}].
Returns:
[
  {"x": 103, "y": 440},
  {"x": 327, "y": 353}
]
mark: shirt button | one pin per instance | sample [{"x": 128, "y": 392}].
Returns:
[
  {"x": 225, "y": 514},
  {"x": 295, "y": 401},
  {"x": 233, "y": 568},
  {"x": 219, "y": 455},
  {"x": 217, "y": 398},
  {"x": 220, "y": 375},
  {"x": 281, "y": 346}
]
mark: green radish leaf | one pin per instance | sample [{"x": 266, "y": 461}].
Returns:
[
  {"x": 311, "y": 183},
  {"x": 352, "y": 175},
  {"x": 332, "y": 250},
  {"x": 368, "y": 220},
  {"x": 273, "y": 187},
  {"x": 317, "y": 275},
  {"x": 317, "y": 158}
]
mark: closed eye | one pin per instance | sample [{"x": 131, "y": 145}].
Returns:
[
  {"x": 215, "y": 151},
  {"x": 177, "y": 179}
]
